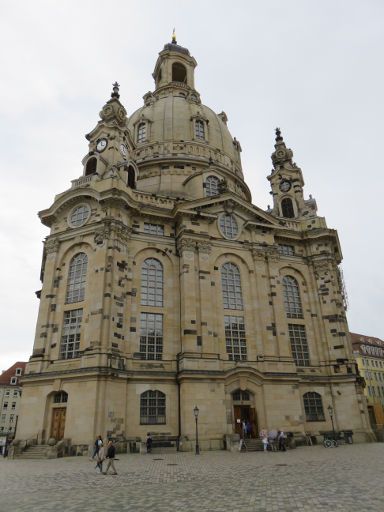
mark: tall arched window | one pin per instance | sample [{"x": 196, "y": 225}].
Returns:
[
  {"x": 77, "y": 275},
  {"x": 292, "y": 300},
  {"x": 212, "y": 186},
  {"x": 142, "y": 132},
  {"x": 231, "y": 286},
  {"x": 199, "y": 129},
  {"x": 152, "y": 408},
  {"x": 179, "y": 72},
  {"x": 152, "y": 283},
  {"x": 287, "y": 208},
  {"x": 313, "y": 406},
  {"x": 131, "y": 177},
  {"x": 91, "y": 166}
]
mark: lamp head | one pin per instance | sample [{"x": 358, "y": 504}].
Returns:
[{"x": 196, "y": 411}]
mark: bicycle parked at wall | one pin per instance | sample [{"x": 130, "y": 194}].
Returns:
[{"x": 334, "y": 439}]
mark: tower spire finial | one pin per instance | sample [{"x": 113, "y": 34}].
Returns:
[
  {"x": 174, "y": 41},
  {"x": 115, "y": 92}
]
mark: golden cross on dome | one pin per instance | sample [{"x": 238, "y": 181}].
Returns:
[{"x": 174, "y": 37}]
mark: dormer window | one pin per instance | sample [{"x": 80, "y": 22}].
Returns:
[
  {"x": 179, "y": 73},
  {"x": 142, "y": 132},
  {"x": 18, "y": 371},
  {"x": 13, "y": 381},
  {"x": 91, "y": 166},
  {"x": 199, "y": 129}
]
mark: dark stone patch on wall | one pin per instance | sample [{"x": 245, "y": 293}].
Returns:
[
  {"x": 190, "y": 331},
  {"x": 341, "y": 334},
  {"x": 132, "y": 329},
  {"x": 204, "y": 323},
  {"x": 107, "y": 294},
  {"x": 53, "y": 307},
  {"x": 336, "y": 347},
  {"x": 212, "y": 283},
  {"x": 50, "y": 296},
  {"x": 199, "y": 341}
]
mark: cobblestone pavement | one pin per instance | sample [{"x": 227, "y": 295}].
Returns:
[{"x": 347, "y": 478}]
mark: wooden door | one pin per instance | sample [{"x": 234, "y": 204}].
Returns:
[
  {"x": 253, "y": 421},
  {"x": 238, "y": 419},
  {"x": 58, "y": 423}
]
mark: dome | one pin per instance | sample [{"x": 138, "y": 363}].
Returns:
[{"x": 175, "y": 134}]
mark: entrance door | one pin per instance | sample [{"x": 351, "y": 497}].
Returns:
[
  {"x": 58, "y": 423},
  {"x": 248, "y": 414}
]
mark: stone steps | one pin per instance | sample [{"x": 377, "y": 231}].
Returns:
[
  {"x": 34, "y": 452},
  {"x": 254, "y": 445}
]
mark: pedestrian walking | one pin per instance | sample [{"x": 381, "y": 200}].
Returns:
[
  {"x": 111, "y": 452},
  {"x": 249, "y": 429},
  {"x": 97, "y": 445},
  {"x": 282, "y": 437},
  {"x": 100, "y": 458},
  {"x": 148, "y": 442}
]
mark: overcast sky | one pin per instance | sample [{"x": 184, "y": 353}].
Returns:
[{"x": 314, "y": 68}]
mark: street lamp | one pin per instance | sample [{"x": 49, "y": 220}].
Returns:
[
  {"x": 196, "y": 413},
  {"x": 330, "y": 410}
]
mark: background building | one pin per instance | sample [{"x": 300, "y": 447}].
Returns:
[
  {"x": 369, "y": 355},
  {"x": 10, "y": 393},
  {"x": 164, "y": 287}
]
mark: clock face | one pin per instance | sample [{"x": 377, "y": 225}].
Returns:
[
  {"x": 123, "y": 149},
  {"x": 101, "y": 145},
  {"x": 285, "y": 186}
]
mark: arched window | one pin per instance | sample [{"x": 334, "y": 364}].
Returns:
[
  {"x": 212, "y": 186},
  {"x": 61, "y": 397},
  {"x": 152, "y": 283},
  {"x": 231, "y": 286},
  {"x": 179, "y": 73},
  {"x": 292, "y": 300},
  {"x": 91, "y": 166},
  {"x": 76, "y": 278},
  {"x": 287, "y": 208},
  {"x": 142, "y": 132},
  {"x": 152, "y": 408},
  {"x": 313, "y": 406},
  {"x": 199, "y": 129},
  {"x": 131, "y": 177}
]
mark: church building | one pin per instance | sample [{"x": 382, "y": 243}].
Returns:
[{"x": 164, "y": 288}]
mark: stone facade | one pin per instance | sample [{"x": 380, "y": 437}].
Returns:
[{"x": 164, "y": 287}]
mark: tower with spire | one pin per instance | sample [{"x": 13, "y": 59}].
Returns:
[{"x": 165, "y": 288}]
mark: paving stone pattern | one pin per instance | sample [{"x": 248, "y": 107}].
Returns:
[{"x": 347, "y": 478}]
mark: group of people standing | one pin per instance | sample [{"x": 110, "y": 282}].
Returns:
[
  {"x": 100, "y": 454},
  {"x": 274, "y": 440}
]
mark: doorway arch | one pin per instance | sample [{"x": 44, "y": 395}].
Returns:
[{"x": 244, "y": 413}]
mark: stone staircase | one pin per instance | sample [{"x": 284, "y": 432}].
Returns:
[
  {"x": 254, "y": 445},
  {"x": 37, "y": 451}
]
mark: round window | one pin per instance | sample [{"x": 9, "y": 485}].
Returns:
[
  {"x": 79, "y": 215},
  {"x": 228, "y": 226}
]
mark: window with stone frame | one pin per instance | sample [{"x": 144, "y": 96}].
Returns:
[
  {"x": 151, "y": 336},
  {"x": 13, "y": 381},
  {"x": 11, "y": 418},
  {"x": 18, "y": 371},
  {"x": 235, "y": 340},
  {"x": 228, "y": 225},
  {"x": 152, "y": 283},
  {"x": 287, "y": 208},
  {"x": 212, "y": 184},
  {"x": 5, "y": 405},
  {"x": 292, "y": 301},
  {"x": 153, "y": 229},
  {"x": 299, "y": 344},
  {"x": 70, "y": 339},
  {"x": 286, "y": 250},
  {"x": 152, "y": 408},
  {"x": 231, "y": 286},
  {"x": 79, "y": 215},
  {"x": 77, "y": 275},
  {"x": 199, "y": 129},
  {"x": 142, "y": 132}
]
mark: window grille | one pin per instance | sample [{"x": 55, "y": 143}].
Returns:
[
  {"x": 228, "y": 226},
  {"x": 152, "y": 408},
  {"x": 235, "y": 340},
  {"x": 313, "y": 407},
  {"x": 299, "y": 344},
  {"x": 286, "y": 250},
  {"x": 231, "y": 286},
  {"x": 142, "y": 132},
  {"x": 212, "y": 186},
  {"x": 153, "y": 229},
  {"x": 70, "y": 340},
  {"x": 152, "y": 283},
  {"x": 77, "y": 274},
  {"x": 79, "y": 215},
  {"x": 151, "y": 336},
  {"x": 199, "y": 130},
  {"x": 239, "y": 395},
  {"x": 292, "y": 301}
]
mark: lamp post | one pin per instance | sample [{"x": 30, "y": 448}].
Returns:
[
  {"x": 330, "y": 410},
  {"x": 196, "y": 413}
]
